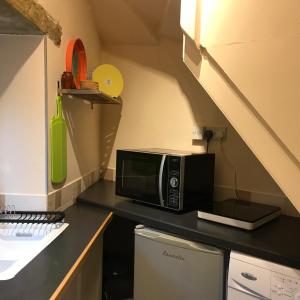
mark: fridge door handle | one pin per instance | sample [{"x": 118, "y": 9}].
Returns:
[
  {"x": 177, "y": 242},
  {"x": 189, "y": 245}
]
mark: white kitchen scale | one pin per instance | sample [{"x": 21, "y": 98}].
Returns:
[{"x": 242, "y": 214}]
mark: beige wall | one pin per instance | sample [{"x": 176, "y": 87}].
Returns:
[
  {"x": 252, "y": 74},
  {"x": 83, "y": 123},
  {"x": 158, "y": 70},
  {"x": 22, "y": 122},
  {"x": 161, "y": 103},
  {"x": 260, "y": 59},
  {"x": 28, "y": 91},
  {"x": 134, "y": 22}
]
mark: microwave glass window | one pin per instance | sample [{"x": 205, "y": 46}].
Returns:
[{"x": 141, "y": 175}]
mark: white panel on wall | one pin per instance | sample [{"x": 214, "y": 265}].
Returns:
[{"x": 22, "y": 115}]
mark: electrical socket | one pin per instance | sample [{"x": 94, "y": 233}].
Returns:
[
  {"x": 219, "y": 133},
  {"x": 197, "y": 133}
]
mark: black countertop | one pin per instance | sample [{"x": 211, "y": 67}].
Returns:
[
  {"x": 276, "y": 241},
  {"x": 40, "y": 278}
]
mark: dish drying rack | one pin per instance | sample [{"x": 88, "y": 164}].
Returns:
[{"x": 42, "y": 217}]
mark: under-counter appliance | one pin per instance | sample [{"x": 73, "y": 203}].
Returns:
[
  {"x": 170, "y": 268},
  {"x": 242, "y": 214},
  {"x": 253, "y": 278},
  {"x": 175, "y": 180}
]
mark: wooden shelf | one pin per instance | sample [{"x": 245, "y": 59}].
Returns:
[
  {"x": 27, "y": 17},
  {"x": 94, "y": 96}
]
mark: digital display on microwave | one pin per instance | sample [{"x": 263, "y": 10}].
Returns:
[{"x": 141, "y": 175}]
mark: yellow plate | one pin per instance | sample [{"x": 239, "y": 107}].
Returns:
[{"x": 110, "y": 80}]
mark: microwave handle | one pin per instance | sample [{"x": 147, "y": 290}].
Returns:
[{"x": 160, "y": 180}]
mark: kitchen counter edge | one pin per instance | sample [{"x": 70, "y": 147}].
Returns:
[
  {"x": 47, "y": 275},
  {"x": 273, "y": 241}
]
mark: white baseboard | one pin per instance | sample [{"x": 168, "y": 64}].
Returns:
[
  {"x": 23, "y": 202},
  {"x": 59, "y": 199}
]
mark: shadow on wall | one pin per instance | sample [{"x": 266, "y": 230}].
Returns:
[
  {"x": 139, "y": 21},
  {"x": 166, "y": 58},
  {"x": 79, "y": 118},
  {"x": 172, "y": 52},
  {"x": 242, "y": 96},
  {"x": 12, "y": 59},
  {"x": 111, "y": 115},
  {"x": 74, "y": 112}
]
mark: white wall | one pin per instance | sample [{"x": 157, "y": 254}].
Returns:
[
  {"x": 23, "y": 180},
  {"x": 83, "y": 123},
  {"x": 161, "y": 103}
]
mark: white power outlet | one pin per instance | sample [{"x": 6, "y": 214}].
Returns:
[
  {"x": 219, "y": 133},
  {"x": 197, "y": 133}
]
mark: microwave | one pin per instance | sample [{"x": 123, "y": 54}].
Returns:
[{"x": 175, "y": 180}]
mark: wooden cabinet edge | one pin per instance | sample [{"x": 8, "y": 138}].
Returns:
[{"x": 80, "y": 259}]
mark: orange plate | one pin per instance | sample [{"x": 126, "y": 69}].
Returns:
[{"x": 76, "y": 61}]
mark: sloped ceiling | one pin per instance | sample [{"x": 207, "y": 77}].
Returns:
[{"x": 136, "y": 21}]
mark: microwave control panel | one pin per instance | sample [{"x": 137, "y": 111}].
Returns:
[{"x": 173, "y": 181}]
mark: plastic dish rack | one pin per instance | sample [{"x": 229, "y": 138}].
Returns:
[{"x": 45, "y": 217}]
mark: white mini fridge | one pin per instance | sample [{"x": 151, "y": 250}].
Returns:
[{"x": 171, "y": 268}]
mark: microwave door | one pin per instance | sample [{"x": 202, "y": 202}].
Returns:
[{"x": 140, "y": 176}]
